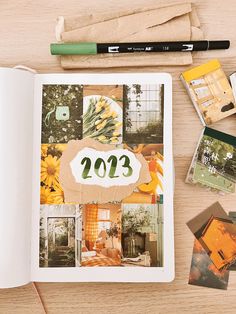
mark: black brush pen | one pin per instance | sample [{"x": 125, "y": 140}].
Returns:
[{"x": 90, "y": 48}]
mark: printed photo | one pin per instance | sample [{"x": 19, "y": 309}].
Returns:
[
  {"x": 101, "y": 245},
  {"x": 103, "y": 113},
  {"x": 60, "y": 236},
  {"x": 148, "y": 193},
  {"x": 143, "y": 113},
  {"x": 232, "y": 216},
  {"x": 218, "y": 157},
  {"x": 217, "y": 235},
  {"x": 62, "y": 110},
  {"x": 204, "y": 273},
  {"x": 211, "y": 91},
  {"x": 214, "y": 163},
  {"x": 142, "y": 235},
  {"x": 50, "y": 189}
]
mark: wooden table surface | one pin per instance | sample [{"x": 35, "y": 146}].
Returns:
[{"x": 27, "y": 28}]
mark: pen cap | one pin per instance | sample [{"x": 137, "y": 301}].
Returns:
[
  {"x": 219, "y": 44},
  {"x": 74, "y": 49}
]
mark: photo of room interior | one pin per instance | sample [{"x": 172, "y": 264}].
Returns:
[
  {"x": 60, "y": 235},
  {"x": 142, "y": 235},
  {"x": 101, "y": 245}
]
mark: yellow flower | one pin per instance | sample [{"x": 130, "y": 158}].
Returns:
[
  {"x": 101, "y": 125},
  {"x": 58, "y": 195},
  {"x": 114, "y": 139},
  {"x": 98, "y": 121},
  {"x": 106, "y": 115},
  {"x": 45, "y": 195},
  {"x": 44, "y": 150},
  {"x": 97, "y": 110},
  {"x": 116, "y": 134},
  {"x": 60, "y": 147},
  {"x": 118, "y": 124},
  {"x": 102, "y": 138},
  {"x": 50, "y": 171},
  {"x": 98, "y": 107},
  {"x": 99, "y": 104},
  {"x": 114, "y": 115}
]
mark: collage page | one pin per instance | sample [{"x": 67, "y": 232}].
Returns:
[{"x": 101, "y": 177}]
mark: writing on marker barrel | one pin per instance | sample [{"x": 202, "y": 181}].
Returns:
[{"x": 91, "y": 48}]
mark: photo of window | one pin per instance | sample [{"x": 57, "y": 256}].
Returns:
[
  {"x": 142, "y": 235},
  {"x": 60, "y": 236},
  {"x": 101, "y": 245},
  {"x": 143, "y": 113},
  {"x": 62, "y": 109}
]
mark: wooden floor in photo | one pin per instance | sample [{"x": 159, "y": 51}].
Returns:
[{"x": 27, "y": 29}]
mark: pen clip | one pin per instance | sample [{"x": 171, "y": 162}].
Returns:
[
  {"x": 113, "y": 49},
  {"x": 187, "y": 47}
]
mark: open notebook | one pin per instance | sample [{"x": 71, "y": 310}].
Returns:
[{"x": 86, "y": 184}]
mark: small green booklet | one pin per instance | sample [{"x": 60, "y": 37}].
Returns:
[{"x": 214, "y": 162}]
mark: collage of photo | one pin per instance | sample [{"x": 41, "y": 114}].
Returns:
[{"x": 127, "y": 233}]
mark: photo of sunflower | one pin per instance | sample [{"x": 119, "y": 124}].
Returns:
[
  {"x": 45, "y": 195},
  {"x": 50, "y": 171},
  {"x": 58, "y": 195},
  {"x": 51, "y": 191}
]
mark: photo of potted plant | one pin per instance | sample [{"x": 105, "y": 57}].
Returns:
[
  {"x": 113, "y": 232},
  {"x": 132, "y": 222}
]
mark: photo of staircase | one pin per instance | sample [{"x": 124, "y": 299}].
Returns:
[
  {"x": 60, "y": 236},
  {"x": 62, "y": 256},
  {"x": 61, "y": 242}
]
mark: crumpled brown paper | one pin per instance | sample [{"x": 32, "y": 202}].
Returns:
[
  {"x": 160, "y": 22},
  {"x": 76, "y": 192}
]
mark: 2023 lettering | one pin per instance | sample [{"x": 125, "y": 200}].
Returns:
[{"x": 107, "y": 167}]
